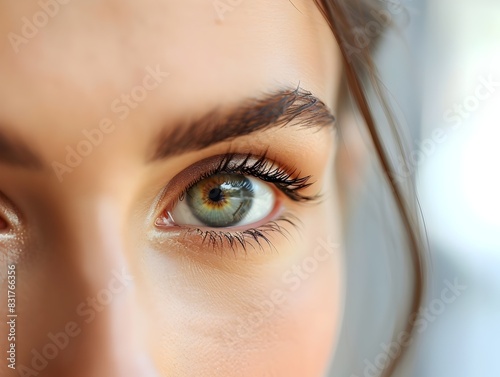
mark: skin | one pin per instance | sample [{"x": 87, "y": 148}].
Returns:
[{"x": 187, "y": 309}]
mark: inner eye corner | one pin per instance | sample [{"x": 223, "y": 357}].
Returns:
[
  {"x": 4, "y": 225},
  {"x": 164, "y": 219}
]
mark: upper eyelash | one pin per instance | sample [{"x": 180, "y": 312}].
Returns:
[{"x": 290, "y": 183}]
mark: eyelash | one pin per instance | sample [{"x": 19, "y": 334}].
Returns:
[
  {"x": 289, "y": 183},
  {"x": 216, "y": 239}
]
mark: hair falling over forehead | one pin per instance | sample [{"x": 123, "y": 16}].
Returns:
[{"x": 343, "y": 17}]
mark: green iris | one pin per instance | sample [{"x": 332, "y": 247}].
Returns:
[{"x": 221, "y": 200}]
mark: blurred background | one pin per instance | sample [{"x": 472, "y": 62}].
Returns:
[{"x": 451, "y": 55}]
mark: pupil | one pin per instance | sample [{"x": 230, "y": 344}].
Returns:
[
  {"x": 221, "y": 200},
  {"x": 215, "y": 194}
]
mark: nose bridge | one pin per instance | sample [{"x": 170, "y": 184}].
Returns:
[
  {"x": 110, "y": 342},
  {"x": 94, "y": 224}
]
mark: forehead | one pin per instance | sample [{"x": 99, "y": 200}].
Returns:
[{"x": 64, "y": 65}]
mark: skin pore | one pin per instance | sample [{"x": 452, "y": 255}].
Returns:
[{"x": 178, "y": 301}]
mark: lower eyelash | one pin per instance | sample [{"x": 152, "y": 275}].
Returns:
[{"x": 219, "y": 240}]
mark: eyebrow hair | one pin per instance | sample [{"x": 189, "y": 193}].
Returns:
[
  {"x": 274, "y": 110},
  {"x": 14, "y": 151}
]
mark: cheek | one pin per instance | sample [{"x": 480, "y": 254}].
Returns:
[
  {"x": 274, "y": 315},
  {"x": 315, "y": 282}
]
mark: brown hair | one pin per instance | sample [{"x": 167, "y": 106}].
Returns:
[{"x": 345, "y": 18}]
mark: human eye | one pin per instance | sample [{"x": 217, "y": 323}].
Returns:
[{"x": 237, "y": 201}]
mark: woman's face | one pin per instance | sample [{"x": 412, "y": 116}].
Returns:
[{"x": 156, "y": 208}]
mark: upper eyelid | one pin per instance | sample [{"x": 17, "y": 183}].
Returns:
[{"x": 173, "y": 188}]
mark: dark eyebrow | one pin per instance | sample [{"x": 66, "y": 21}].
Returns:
[
  {"x": 277, "y": 109},
  {"x": 15, "y": 152}
]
